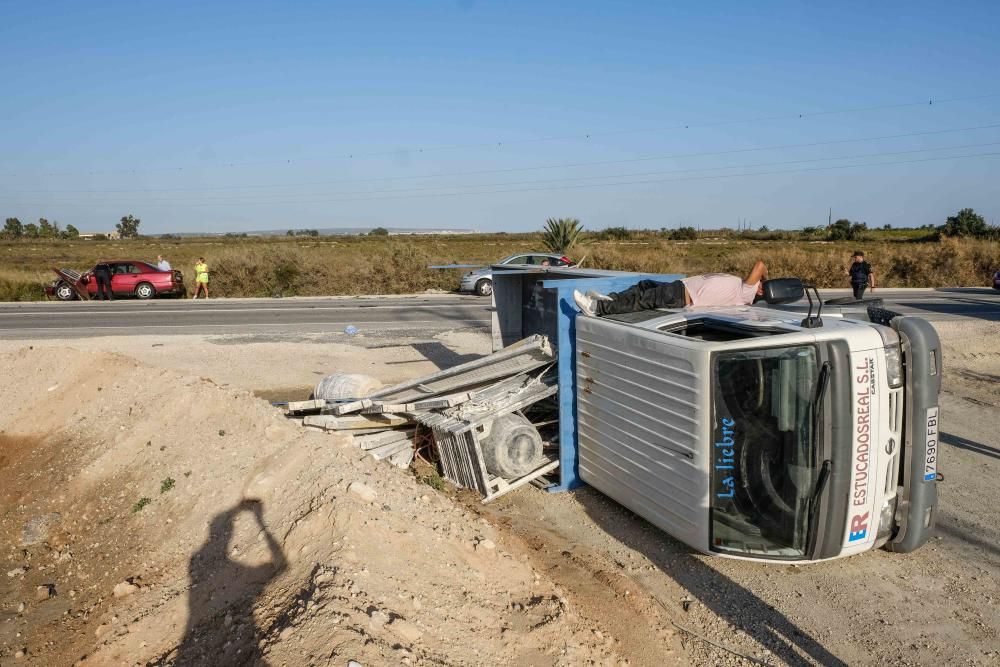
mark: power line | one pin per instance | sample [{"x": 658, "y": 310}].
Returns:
[
  {"x": 578, "y": 187},
  {"x": 597, "y": 177},
  {"x": 568, "y": 165},
  {"x": 673, "y": 180},
  {"x": 500, "y": 143}
]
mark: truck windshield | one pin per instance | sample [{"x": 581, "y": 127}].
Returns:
[{"x": 764, "y": 463}]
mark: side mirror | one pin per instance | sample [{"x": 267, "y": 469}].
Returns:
[{"x": 783, "y": 290}]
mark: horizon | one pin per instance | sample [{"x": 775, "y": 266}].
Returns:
[
  {"x": 244, "y": 119},
  {"x": 301, "y": 232}
]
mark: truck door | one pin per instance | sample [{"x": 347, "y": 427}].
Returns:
[{"x": 642, "y": 411}]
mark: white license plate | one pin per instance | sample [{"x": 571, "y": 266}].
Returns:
[{"x": 930, "y": 465}]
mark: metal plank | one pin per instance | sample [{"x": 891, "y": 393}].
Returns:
[
  {"x": 372, "y": 441},
  {"x": 353, "y": 422},
  {"x": 296, "y": 407},
  {"x": 530, "y": 353},
  {"x": 441, "y": 402},
  {"x": 506, "y": 487},
  {"x": 385, "y": 451},
  {"x": 402, "y": 459},
  {"x": 507, "y": 407}
]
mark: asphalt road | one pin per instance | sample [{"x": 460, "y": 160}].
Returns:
[{"x": 418, "y": 314}]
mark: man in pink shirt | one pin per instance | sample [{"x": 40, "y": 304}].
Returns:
[{"x": 712, "y": 289}]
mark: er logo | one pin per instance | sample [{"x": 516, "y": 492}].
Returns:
[{"x": 859, "y": 527}]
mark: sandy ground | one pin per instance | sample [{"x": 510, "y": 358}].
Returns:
[
  {"x": 177, "y": 521},
  {"x": 315, "y": 574},
  {"x": 281, "y": 366}
]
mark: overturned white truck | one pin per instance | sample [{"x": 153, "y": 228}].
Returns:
[{"x": 767, "y": 432}]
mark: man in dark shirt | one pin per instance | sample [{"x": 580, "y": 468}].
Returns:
[
  {"x": 862, "y": 275},
  {"x": 102, "y": 274}
]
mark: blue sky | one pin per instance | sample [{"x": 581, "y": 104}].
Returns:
[{"x": 497, "y": 115}]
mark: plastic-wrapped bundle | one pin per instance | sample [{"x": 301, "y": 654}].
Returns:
[{"x": 345, "y": 385}]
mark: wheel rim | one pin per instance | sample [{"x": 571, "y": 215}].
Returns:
[
  {"x": 145, "y": 291},
  {"x": 486, "y": 288},
  {"x": 64, "y": 292}
]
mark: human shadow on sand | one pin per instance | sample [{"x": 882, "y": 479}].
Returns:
[{"x": 221, "y": 629}]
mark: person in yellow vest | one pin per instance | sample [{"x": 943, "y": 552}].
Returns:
[{"x": 200, "y": 278}]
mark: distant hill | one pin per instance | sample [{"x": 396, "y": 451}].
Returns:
[{"x": 328, "y": 231}]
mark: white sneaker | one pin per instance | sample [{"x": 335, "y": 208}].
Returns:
[
  {"x": 597, "y": 296},
  {"x": 587, "y": 304}
]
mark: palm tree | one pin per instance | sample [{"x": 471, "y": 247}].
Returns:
[{"x": 561, "y": 234}]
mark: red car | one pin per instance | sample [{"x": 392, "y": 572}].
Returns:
[{"x": 128, "y": 278}]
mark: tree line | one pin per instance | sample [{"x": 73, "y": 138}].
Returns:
[
  {"x": 14, "y": 229},
  {"x": 560, "y": 234}
]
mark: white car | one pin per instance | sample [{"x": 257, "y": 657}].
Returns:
[{"x": 480, "y": 281}]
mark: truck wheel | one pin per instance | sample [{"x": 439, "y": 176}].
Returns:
[
  {"x": 513, "y": 448},
  {"x": 881, "y": 315},
  {"x": 875, "y": 302},
  {"x": 65, "y": 293},
  {"x": 145, "y": 291},
  {"x": 484, "y": 287}
]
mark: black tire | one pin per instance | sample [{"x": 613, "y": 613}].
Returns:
[
  {"x": 875, "y": 302},
  {"x": 513, "y": 448},
  {"x": 484, "y": 287},
  {"x": 881, "y": 315},
  {"x": 144, "y": 291},
  {"x": 65, "y": 292}
]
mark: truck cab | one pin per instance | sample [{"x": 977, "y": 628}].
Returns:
[{"x": 751, "y": 432}]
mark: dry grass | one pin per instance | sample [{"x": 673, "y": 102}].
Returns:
[
  {"x": 948, "y": 263},
  {"x": 367, "y": 265}
]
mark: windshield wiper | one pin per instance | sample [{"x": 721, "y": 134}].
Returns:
[
  {"x": 814, "y": 497},
  {"x": 824, "y": 475},
  {"x": 822, "y": 383},
  {"x": 821, "y": 386}
]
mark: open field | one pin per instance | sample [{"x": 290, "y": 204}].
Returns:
[{"x": 346, "y": 265}]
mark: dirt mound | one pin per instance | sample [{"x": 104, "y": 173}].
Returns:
[{"x": 152, "y": 517}]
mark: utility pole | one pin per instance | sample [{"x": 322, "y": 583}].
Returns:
[{"x": 829, "y": 217}]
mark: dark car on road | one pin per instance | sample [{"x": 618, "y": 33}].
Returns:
[
  {"x": 996, "y": 281},
  {"x": 128, "y": 278}
]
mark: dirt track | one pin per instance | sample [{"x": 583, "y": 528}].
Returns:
[{"x": 314, "y": 574}]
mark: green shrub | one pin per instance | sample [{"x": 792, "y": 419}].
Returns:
[
  {"x": 19, "y": 290},
  {"x": 684, "y": 234},
  {"x": 559, "y": 235},
  {"x": 142, "y": 502},
  {"x": 614, "y": 234}
]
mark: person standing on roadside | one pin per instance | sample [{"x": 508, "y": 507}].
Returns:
[
  {"x": 102, "y": 274},
  {"x": 162, "y": 264},
  {"x": 862, "y": 275},
  {"x": 200, "y": 278}
]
